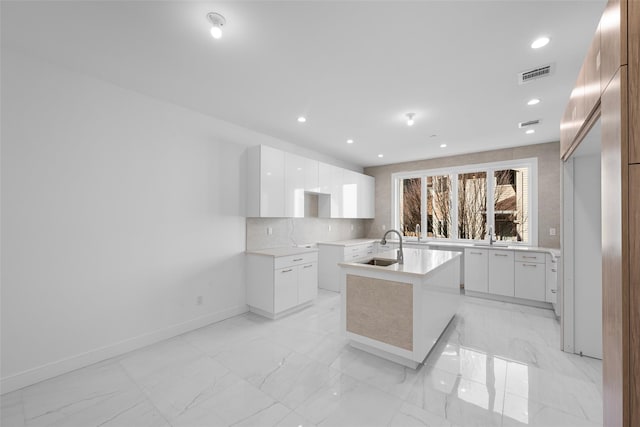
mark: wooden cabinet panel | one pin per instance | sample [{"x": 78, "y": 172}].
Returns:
[
  {"x": 634, "y": 83},
  {"x": 613, "y": 40},
  {"x": 615, "y": 286},
  {"x": 567, "y": 130},
  {"x": 592, "y": 75},
  {"x": 634, "y": 291},
  {"x": 501, "y": 273}
]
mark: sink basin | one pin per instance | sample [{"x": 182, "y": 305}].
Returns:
[{"x": 381, "y": 262}]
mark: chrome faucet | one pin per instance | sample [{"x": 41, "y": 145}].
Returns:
[
  {"x": 399, "y": 255},
  {"x": 491, "y": 239},
  {"x": 418, "y": 231}
]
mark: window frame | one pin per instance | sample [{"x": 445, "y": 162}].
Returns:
[{"x": 453, "y": 172}]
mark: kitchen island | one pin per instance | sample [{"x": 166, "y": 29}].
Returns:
[{"x": 398, "y": 311}]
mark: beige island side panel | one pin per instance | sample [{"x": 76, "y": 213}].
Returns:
[{"x": 381, "y": 310}]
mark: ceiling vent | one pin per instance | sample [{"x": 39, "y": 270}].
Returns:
[
  {"x": 535, "y": 73},
  {"x": 529, "y": 123}
]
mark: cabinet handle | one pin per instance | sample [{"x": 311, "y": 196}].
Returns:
[
  {"x": 500, "y": 255},
  {"x": 287, "y": 271},
  {"x": 298, "y": 259},
  {"x": 308, "y": 266},
  {"x": 529, "y": 265},
  {"x": 529, "y": 257},
  {"x": 369, "y": 252},
  {"x": 553, "y": 291},
  {"x": 554, "y": 270},
  {"x": 476, "y": 253}
]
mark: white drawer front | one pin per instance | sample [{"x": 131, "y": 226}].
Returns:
[
  {"x": 291, "y": 260},
  {"x": 530, "y": 257}
]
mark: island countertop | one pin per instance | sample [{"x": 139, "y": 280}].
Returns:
[{"x": 417, "y": 262}]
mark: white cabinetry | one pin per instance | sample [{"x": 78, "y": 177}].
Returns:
[
  {"x": 530, "y": 276},
  {"x": 330, "y": 182},
  {"x": 265, "y": 196},
  {"x": 330, "y": 254},
  {"x": 501, "y": 273},
  {"x": 476, "y": 270},
  {"x": 294, "y": 185},
  {"x": 552, "y": 279},
  {"x": 519, "y": 274},
  {"x": 366, "y": 196},
  {"x": 278, "y": 284},
  {"x": 277, "y": 182}
]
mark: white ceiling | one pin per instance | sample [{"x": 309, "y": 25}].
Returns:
[{"x": 352, "y": 68}]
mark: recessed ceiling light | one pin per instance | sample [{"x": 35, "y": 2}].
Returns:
[
  {"x": 302, "y": 119},
  {"x": 530, "y": 131},
  {"x": 540, "y": 42},
  {"x": 443, "y": 145},
  {"x": 349, "y": 141},
  {"x": 410, "y": 120},
  {"x": 533, "y": 101},
  {"x": 381, "y": 155},
  {"x": 217, "y": 22}
]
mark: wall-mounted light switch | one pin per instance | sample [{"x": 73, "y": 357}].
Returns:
[
  {"x": 269, "y": 231},
  {"x": 329, "y": 228},
  {"x": 552, "y": 231}
]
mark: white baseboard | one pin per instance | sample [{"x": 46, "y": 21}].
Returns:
[{"x": 26, "y": 378}]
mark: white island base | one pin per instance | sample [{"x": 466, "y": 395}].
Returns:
[{"x": 399, "y": 312}]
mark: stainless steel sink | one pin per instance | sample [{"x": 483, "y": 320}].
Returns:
[{"x": 381, "y": 262}]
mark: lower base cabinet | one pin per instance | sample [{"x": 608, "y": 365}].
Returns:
[
  {"x": 511, "y": 273},
  {"x": 278, "y": 284}
]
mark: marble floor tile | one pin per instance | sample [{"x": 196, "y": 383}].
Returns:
[
  {"x": 498, "y": 364},
  {"x": 11, "y": 411}
]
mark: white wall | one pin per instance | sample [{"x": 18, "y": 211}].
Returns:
[{"x": 118, "y": 210}]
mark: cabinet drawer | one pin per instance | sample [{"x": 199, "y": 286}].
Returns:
[
  {"x": 291, "y": 260},
  {"x": 530, "y": 257}
]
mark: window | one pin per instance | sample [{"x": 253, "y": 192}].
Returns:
[{"x": 464, "y": 203}]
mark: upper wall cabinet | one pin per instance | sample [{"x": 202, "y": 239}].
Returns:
[
  {"x": 278, "y": 182},
  {"x": 266, "y": 197}
]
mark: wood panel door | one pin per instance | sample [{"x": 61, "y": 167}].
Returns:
[
  {"x": 634, "y": 291},
  {"x": 634, "y": 84}
]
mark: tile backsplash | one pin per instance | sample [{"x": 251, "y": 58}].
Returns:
[{"x": 298, "y": 231}]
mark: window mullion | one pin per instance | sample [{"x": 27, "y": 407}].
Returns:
[
  {"x": 490, "y": 200},
  {"x": 453, "y": 179}
]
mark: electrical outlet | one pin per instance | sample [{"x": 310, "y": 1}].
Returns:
[
  {"x": 329, "y": 227},
  {"x": 269, "y": 231},
  {"x": 552, "y": 231},
  {"x": 351, "y": 227},
  {"x": 384, "y": 227},
  {"x": 199, "y": 300}
]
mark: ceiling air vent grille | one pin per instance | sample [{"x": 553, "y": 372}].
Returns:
[
  {"x": 529, "y": 123},
  {"x": 534, "y": 74}
]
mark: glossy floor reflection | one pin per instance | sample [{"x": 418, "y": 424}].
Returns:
[{"x": 498, "y": 364}]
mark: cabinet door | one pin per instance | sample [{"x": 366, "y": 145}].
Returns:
[
  {"x": 285, "y": 289},
  {"x": 330, "y": 182},
  {"x": 476, "y": 274},
  {"x": 366, "y": 196},
  {"x": 311, "y": 182},
  {"x": 530, "y": 281},
  {"x": 294, "y": 182},
  {"x": 271, "y": 182},
  {"x": 350, "y": 190},
  {"x": 307, "y": 282},
  {"x": 501, "y": 274}
]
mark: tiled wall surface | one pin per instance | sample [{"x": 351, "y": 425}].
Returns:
[
  {"x": 296, "y": 231},
  {"x": 549, "y": 165}
]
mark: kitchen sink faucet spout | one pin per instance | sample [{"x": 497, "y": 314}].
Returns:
[{"x": 400, "y": 256}]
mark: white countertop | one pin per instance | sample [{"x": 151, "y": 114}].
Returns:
[
  {"x": 552, "y": 251},
  {"x": 283, "y": 251},
  {"x": 417, "y": 262},
  {"x": 351, "y": 242}
]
